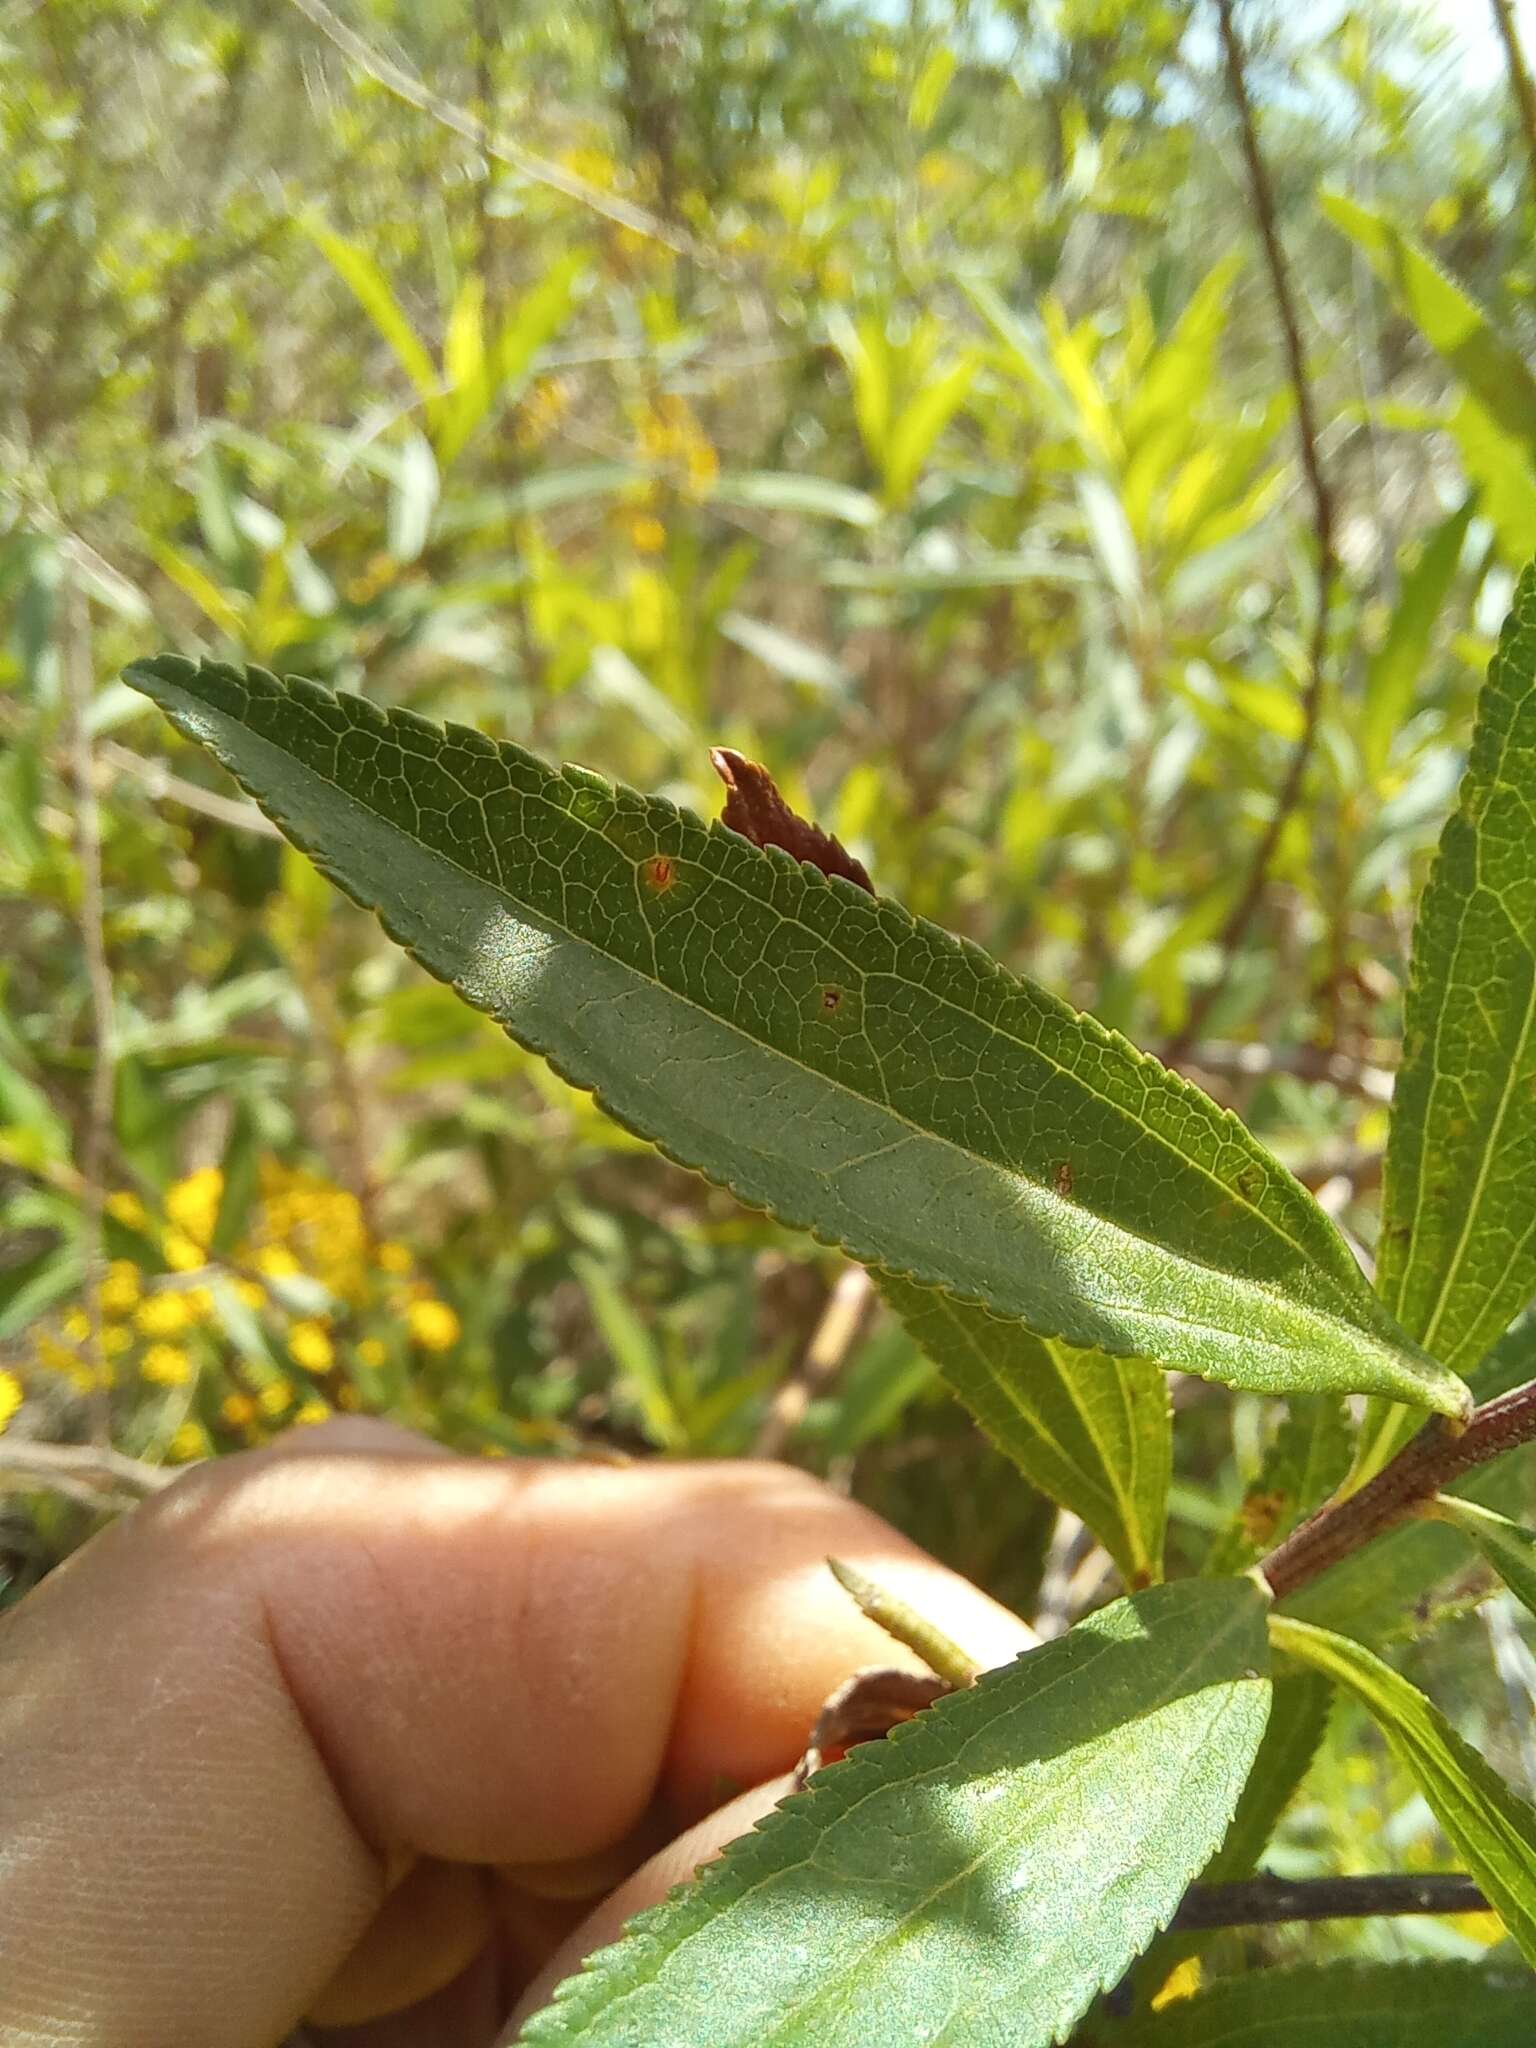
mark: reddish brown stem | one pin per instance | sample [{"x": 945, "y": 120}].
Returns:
[
  {"x": 1266, "y": 218},
  {"x": 1437, "y": 1455}
]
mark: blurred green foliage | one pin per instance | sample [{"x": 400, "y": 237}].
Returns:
[{"x": 928, "y": 439}]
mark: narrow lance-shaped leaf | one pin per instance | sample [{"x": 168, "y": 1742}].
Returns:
[
  {"x": 827, "y": 1055},
  {"x": 1489, "y": 1825},
  {"x": 1396, "y": 669},
  {"x": 1367, "y": 2005},
  {"x": 1510, "y": 1549},
  {"x": 977, "y": 1877},
  {"x": 1091, "y": 1432},
  {"x": 1495, "y": 373},
  {"x": 1457, "y": 1256}
]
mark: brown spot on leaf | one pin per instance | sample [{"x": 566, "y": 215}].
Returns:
[
  {"x": 1063, "y": 1177},
  {"x": 755, "y": 809},
  {"x": 1260, "y": 1515},
  {"x": 831, "y": 998},
  {"x": 659, "y": 872}
]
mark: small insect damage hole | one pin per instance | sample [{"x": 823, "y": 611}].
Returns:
[
  {"x": 659, "y": 872},
  {"x": 831, "y": 998}
]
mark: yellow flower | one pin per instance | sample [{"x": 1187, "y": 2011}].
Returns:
[
  {"x": 76, "y": 1325},
  {"x": 1183, "y": 1981},
  {"x": 276, "y": 1262},
  {"x": 163, "y": 1315},
  {"x": 167, "y": 1365},
  {"x": 393, "y": 1258},
  {"x": 371, "y": 1352},
  {"x": 432, "y": 1324},
  {"x": 237, "y": 1410},
  {"x": 121, "y": 1288},
  {"x": 190, "y": 1441},
  {"x": 193, "y": 1204},
  {"x": 310, "y": 1346},
  {"x": 313, "y": 1411},
  {"x": 115, "y": 1340},
  {"x": 49, "y": 1352},
  {"x": 250, "y": 1294},
  {"x": 274, "y": 1399},
  {"x": 647, "y": 534},
  {"x": 125, "y": 1207},
  {"x": 183, "y": 1254},
  {"x": 10, "y": 1398}
]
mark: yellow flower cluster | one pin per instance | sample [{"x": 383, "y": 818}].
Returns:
[
  {"x": 671, "y": 437},
  {"x": 302, "y": 1228},
  {"x": 10, "y": 1398},
  {"x": 544, "y": 406}
]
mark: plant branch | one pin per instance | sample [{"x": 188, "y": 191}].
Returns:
[
  {"x": 81, "y": 1470},
  {"x": 1437, "y": 1455},
  {"x": 831, "y": 1341},
  {"x": 1224, "y": 1060},
  {"x": 1520, "y": 83},
  {"x": 1263, "y": 1901},
  {"x": 168, "y": 787},
  {"x": 78, "y": 681},
  {"x": 1262, "y": 195}
]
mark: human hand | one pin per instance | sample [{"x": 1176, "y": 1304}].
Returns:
[{"x": 358, "y": 1730}]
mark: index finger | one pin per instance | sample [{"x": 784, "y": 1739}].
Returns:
[{"x": 227, "y": 1720}]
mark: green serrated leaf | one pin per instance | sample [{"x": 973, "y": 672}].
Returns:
[
  {"x": 1091, "y": 1432},
  {"x": 977, "y": 1877},
  {"x": 1298, "y": 1715},
  {"x": 831, "y": 1058},
  {"x": 1510, "y": 1549},
  {"x": 1457, "y": 1252},
  {"x": 1489, "y": 1825},
  {"x": 1366, "y": 2005}
]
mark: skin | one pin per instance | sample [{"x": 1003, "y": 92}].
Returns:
[{"x": 356, "y": 1730}]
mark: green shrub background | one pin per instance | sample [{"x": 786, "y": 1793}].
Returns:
[{"x": 894, "y": 395}]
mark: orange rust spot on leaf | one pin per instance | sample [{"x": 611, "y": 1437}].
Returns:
[{"x": 659, "y": 872}]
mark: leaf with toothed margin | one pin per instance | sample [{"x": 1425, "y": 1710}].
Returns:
[
  {"x": 975, "y": 1879},
  {"x": 1367, "y": 2005},
  {"x": 825, "y": 1054},
  {"x": 1488, "y": 1824},
  {"x": 1092, "y": 1433},
  {"x": 1456, "y": 1258}
]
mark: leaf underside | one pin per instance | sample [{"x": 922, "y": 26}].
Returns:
[
  {"x": 978, "y": 1876},
  {"x": 826, "y": 1055}
]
